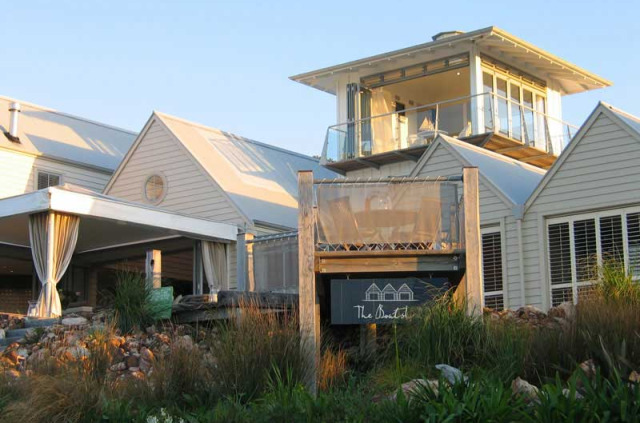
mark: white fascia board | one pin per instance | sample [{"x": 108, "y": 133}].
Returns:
[
  {"x": 32, "y": 202},
  {"x": 100, "y": 207}
]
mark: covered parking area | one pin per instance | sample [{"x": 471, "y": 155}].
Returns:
[{"x": 74, "y": 239}]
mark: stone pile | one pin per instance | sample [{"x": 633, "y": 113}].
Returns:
[
  {"x": 558, "y": 316},
  {"x": 76, "y": 337}
]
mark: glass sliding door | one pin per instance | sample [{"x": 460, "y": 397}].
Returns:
[
  {"x": 487, "y": 89},
  {"x": 529, "y": 116},
  {"x": 503, "y": 108}
]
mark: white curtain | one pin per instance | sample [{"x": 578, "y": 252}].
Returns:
[
  {"x": 53, "y": 239},
  {"x": 214, "y": 261}
]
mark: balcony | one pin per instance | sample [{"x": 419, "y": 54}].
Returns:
[{"x": 487, "y": 120}]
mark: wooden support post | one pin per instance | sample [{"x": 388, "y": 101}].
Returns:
[
  {"x": 309, "y": 306},
  {"x": 473, "y": 276},
  {"x": 251, "y": 275},
  {"x": 198, "y": 279},
  {"x": 368, "y": 338},
  {"x": 153, "y": 268}
]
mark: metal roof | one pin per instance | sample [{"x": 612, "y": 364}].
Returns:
[
  {"x": 491, "y": 41},
  {"x": 49, "y": 133},
  {"x": 516, "y": 180},
  {"x": 262, "y": 180}
]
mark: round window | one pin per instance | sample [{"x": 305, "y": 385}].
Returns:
[{"x": 154, "y": 188}]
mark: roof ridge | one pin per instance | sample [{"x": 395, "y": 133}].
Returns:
[
  {"x": 68, "y": 115},
  {"x": 239, "y": 137},
  {"x": 620, "y": 111}
]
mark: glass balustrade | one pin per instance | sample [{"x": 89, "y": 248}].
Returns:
[{"x": 419, "y": 126}]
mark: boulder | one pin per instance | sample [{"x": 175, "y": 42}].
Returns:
[
  {"x": 74, "y": 321},
  {"x": 452, "y": 374},
  {"x": 118, "y": 367},
  {"x": 132, "y": 361},
  {"x": 522, "y": 388}
]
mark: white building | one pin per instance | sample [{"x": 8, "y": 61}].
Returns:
[
  {"x": 488, "y": 99},
  {"x": 51, "y": 148}
]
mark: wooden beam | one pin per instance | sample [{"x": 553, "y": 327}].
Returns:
[
  {"x": 387, "y": 253},
  {"x": 536, "y": 157},
  {"x": 251, "y": 275},
  {"x": 309, "y": 305},
  {"x": 473, "y": 256},
  {"x": 153, "y": 268},
  {"x": 509, "y": 149},
  {"x": 368, "y": 163},
  {"x": 406, "y": 156},
  {"x": 428, "y": 263}
]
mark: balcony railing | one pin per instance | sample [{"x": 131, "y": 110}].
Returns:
[{"x": 456, "y": 117}]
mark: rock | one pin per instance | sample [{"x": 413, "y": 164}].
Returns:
[
  {"x": 524, "y": 389},
  {"x": 413, "y": 387},
  {"x": 588, "y": 368},
  {"x": 184, "y": 341},
  {"x": 132, "y": 361},
  {"x": 117, "y": 341},
  {"x": 38, "y": 357},
  {"x": 146, "y": 360},
  {"x": 74, "y": 321},
  {"x": 13, "y": 356},
  {"x": 118, "y": 367},
  {"x": 452, "y": 374},
  {"x": 2, "y": 334},
  {"x": 75, "y": 353},
  {"x": 576, "y": 395}
]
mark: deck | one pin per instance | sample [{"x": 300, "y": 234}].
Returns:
[{"x": 492, "y": 141}]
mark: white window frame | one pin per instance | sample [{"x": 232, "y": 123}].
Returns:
[
  {"x": 495, "y": 229},
  {"x": 536, "y": 90},
  {"x": 596, "y": 216},
  {"x": 38, "y": 171}
]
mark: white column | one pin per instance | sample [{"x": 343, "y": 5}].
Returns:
[
  {"x": 153, "y": 268},
  {"x": 477, "y": 102}
]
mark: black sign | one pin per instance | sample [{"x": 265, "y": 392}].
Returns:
[{"x": 384, "y": 300}]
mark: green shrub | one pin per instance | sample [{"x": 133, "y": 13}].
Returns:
[{"x": 131, "y": 302}]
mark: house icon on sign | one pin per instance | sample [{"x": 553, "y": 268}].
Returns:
[{"x": 388, "y": 293}]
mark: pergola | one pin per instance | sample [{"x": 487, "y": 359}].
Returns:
[{"x": 59, "y": 222}]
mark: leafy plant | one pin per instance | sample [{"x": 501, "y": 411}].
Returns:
[{"x": 131, "y": 302}]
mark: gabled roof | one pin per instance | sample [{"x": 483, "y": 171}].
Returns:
[
  {"x": 626, "y": 121},
  {"x": 513, "y": 180},
  {"x": 492, "y": 41},
  {"x": 49, "y": 133},
  {"x": 260, "y": 179}
]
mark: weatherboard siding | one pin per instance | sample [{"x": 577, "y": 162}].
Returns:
[
  {"x": 601, "y": 172},
  {"x": 494, "y": 212},
  {"x": 189, "y": 190},
  {"x": 18, "y": 173}
]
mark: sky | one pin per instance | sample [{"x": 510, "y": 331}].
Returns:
[{"x": 227, "y": 64}]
